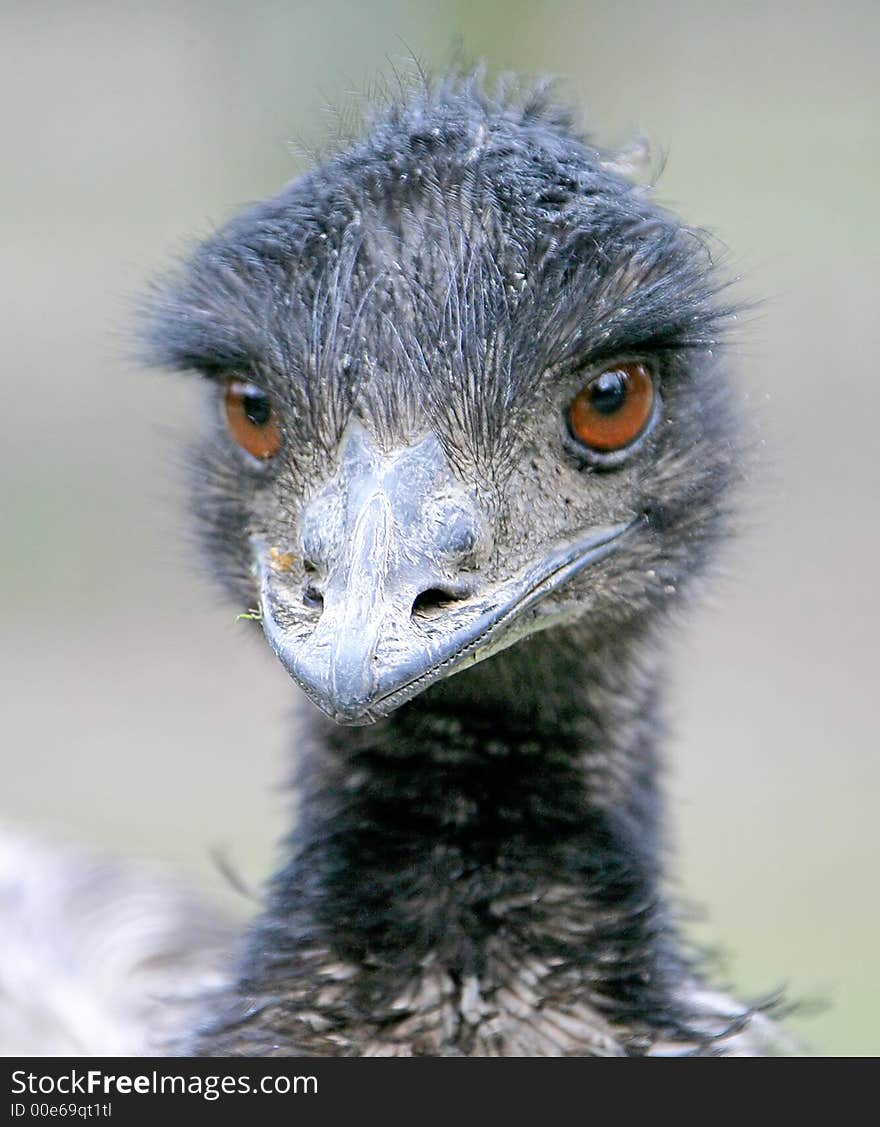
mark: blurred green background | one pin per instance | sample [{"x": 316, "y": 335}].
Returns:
[{"x": 138, "y": 715}]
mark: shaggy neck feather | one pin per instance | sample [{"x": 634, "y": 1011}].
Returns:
[{"x": 507, "y": 819}]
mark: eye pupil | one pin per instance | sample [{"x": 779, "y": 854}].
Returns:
[
  {"x": 608, "y": 392},
  {"x": 257, "y": 407}
]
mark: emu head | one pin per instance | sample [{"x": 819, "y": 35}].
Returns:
[{"x": 464, "y": 391}]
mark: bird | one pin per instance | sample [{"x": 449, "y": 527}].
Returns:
[
  {"x": 472, "y": 444},
  {"x": 100, "y": 956}
]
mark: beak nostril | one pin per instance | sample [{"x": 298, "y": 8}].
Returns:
[
  {"x": 433, "y": 601},
  {"x": 312, "y": 597}
]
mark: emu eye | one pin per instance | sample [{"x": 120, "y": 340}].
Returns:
[
  {"x": 250, "y": 417},
  {"x": 613, "y": 409}
]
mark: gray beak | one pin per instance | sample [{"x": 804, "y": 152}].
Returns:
[{"x": 393, "y": 597}]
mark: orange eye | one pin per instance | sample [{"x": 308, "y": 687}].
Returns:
[
  {"x": 613, "y": 409},
  {"x": 251, "y": 419}
]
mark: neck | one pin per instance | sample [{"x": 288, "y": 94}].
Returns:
[{"x": 492, "y": 844}]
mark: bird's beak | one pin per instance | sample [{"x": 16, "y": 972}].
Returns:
[{"x": 398, "y": 600}]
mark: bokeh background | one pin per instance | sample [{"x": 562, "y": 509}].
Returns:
[{"x": 140, "y": 717}]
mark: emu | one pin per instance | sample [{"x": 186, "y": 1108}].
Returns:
[{"x": 471, "y": 445}]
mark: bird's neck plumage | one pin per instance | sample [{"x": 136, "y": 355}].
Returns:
[{"x": 485, "y": 854}]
